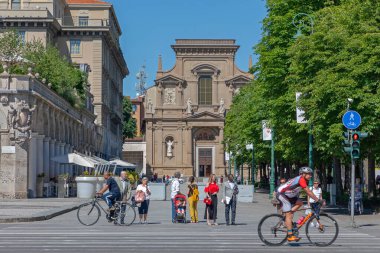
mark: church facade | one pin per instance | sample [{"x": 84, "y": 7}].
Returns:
[{"x": 186, "y": 108}]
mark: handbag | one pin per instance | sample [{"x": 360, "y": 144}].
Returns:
[
  {"x": 139, "y": 197},
  {"x": 207, "y": 201}
]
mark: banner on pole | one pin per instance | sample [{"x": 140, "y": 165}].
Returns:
[
  {"x": 300, "y": 113},
  {"x": 267, "y": 132},
  {"x": 227, "y": 156}
]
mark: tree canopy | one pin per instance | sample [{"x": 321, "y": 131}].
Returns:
[
  {"x": 129, "y": 123},
  {"x": 338, "y": 59}
]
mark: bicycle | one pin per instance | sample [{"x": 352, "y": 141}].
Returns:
[
  {"x": 321, "y": 229},
  {"x": 89, "y": 213}
]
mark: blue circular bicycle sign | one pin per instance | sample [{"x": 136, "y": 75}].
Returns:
[{"x": 351, "y": 120}]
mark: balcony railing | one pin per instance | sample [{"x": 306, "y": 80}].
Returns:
[{"x": 75, "y": 21}]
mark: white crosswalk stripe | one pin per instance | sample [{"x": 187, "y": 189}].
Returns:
[{"x": 161, "y": 238}]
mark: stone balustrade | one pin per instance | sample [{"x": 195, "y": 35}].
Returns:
[{"x": 36, "y": 124}]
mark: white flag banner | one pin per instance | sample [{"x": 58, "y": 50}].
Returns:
[
  {"x": 300, "y": 113},
  {"x": 267, "y": 132},
  {"x": 227, "y": 156}
]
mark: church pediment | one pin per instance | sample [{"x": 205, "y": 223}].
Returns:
[
  {"x": 205, "y": 68},
  {"x": 239, "y": 80},
  {"x": 205, "y": 115},
  {"x": 169, "y": 79}
]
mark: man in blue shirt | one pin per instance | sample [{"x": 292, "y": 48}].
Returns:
[{"x": 113, "y": 193}]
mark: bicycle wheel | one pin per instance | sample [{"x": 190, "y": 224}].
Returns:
[
  {"x": 125, "y": 214},
  {"x": 324, "y": 232},
  {"x": 88, "y": 214},
  {"x": 272, "y": 230}
]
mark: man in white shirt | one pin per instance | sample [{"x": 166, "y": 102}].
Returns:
[
  {"x": 174, "y": 191},
  {"x": 317, "y": 192}
]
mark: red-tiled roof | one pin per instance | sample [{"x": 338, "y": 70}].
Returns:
[{"x": 86, "y": 2}]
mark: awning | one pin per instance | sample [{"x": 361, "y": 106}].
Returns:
[
  {"x": 74, "y": 158},
  {"x": 121, "y": 163}
]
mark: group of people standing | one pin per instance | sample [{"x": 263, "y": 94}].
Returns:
[
  {"x": 121, "y": 190},
  {"x": 230, "y": 192}
]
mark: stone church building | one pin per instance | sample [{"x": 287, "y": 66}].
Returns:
[{"x": 186, "y": 108}]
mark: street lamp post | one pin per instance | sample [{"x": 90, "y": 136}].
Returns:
[
  {"x": 253, "y": 169},
  {"x": 300, "y": 21}
]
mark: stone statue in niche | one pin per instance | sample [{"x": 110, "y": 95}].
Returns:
[
  {"x": 19, "y": 117},
  {"x": 222, "y": 109},
  {"x": 188, "y": 106},
  {"x": 169, "y": 151},
  {"x": 169, "y": 98},
  {"x": 150, "y": 106}
]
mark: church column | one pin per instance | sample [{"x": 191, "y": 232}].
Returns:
[
  {"x": 32, "y": 173},
  {"x": 46, "y": 158},
  {"x": 52, "y": 165},
  {"x": 149, "y": 145},
  {"x": 215, "y": 90},
  {"x": 188, "y": 147},
  {"x": 179, "y": 154},
  {"x": 160, "y": 146},
  {"x": 220, "y": 150}
]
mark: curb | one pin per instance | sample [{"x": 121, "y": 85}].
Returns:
[{"x": 47, "y": 215}]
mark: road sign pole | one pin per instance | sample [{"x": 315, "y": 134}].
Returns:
[
  {"x": 353, "y": 192},
  {"x": 311, "y": 164},
  {"x": 272, "y": 166}
]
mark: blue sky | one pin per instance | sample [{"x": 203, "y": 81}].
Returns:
[{"x": 151, "y": 26}]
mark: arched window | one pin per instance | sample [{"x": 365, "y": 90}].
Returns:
[{"x": 205, "y": 90}]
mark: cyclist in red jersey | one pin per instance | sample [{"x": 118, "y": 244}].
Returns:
[{"x": 288, "y": 194}]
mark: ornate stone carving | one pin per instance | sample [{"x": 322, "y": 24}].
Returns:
[
  {"x": 150, "y": 106},
  {"x": 222, "y": 109},
  {"x": 4, "y": 100},
  {"x": 188, "y": 106},
  {"x": 19, "y": 119},
  {"x": 169, "y": 98},
  {"x": 180, "y": 87}
]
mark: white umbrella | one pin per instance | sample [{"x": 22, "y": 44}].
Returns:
[{"x": 74, "y": 158}]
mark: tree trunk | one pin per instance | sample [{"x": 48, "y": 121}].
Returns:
[
  {"x": 371, "y": 175},
  {"x": 337, "y": 179}
]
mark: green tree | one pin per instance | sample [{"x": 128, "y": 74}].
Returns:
[
  {"x": 66, "y": 79},
  {"x": 129, "y": 123}
]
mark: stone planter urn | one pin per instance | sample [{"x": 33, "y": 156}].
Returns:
[
  {"x": 87, "y": 186},
  {"x": 40, "y": 187}
]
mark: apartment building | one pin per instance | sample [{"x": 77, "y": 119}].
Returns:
[{"x": 87, "y": 32}]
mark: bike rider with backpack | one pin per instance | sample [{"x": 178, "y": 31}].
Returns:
[{"x": 288, "y": 195}]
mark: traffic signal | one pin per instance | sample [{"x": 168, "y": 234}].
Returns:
[
  {"x": 355, "y": 152},
  {"x": 356, "y": 137},
  {"x": 347, "y": 143}
]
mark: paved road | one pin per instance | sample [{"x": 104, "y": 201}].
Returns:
[{"x": 65, "y": 234}]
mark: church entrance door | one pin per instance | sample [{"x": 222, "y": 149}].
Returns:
[{"x": 205, "y": 162}]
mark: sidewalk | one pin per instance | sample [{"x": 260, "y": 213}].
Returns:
[{"x": 27, "y": 210}]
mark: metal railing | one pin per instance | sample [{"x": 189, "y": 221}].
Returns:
[{"x": 77, "y": 21}]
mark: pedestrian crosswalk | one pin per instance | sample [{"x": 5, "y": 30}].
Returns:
[{"x": 67, "y": 235}]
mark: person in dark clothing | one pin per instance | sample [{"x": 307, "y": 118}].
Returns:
[{"x": 113, "y": 193}]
